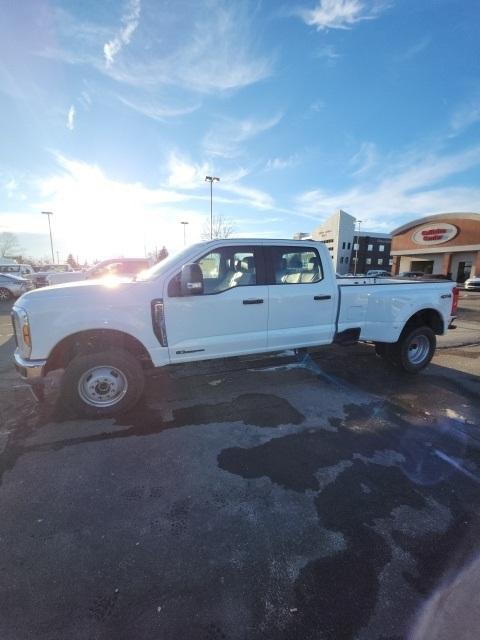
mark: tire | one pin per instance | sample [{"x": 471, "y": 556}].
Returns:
[
  {"x": 102, "y": 384},
  {"x": 414, "y": 349},
  {"x": 4, "y": 294}
]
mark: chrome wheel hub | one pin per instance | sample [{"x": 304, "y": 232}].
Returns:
[
  {"x": 102, "y": 386},
  {"x": 418, "y": 349},
  {"x": 4, "y": 295}
]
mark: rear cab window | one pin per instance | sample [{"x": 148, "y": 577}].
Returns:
[{"x": 294, "y": 265}]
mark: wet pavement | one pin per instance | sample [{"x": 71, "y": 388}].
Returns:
[{"x": 291, "y": 497}]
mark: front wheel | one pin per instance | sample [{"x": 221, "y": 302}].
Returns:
[
  {"x": 414, "y": 349},
  {"x": 4, "y": 294},
  {"x": 102, "y": 384}
]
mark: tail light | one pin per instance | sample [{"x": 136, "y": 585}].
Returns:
[{"x": 455, "y": 292}]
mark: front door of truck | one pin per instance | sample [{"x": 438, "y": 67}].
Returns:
[{"x": 230, "y": 317}]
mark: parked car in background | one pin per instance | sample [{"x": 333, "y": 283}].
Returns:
[
  {"x": 472, "y": 284},
  {"x": 119, "y": 267},
  {"x": 436, "y": 276},
  {"x": 412, "y": 274},
  {"x": 13, "y": 287},
  {"x": 19, "y": 270},
  {"x": 378, "y": 273},
  {"x": 39, "y": 278}
]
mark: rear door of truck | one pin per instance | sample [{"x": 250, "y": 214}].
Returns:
[{"x": 302, "y": 296}]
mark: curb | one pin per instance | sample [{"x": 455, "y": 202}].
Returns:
[{"x": 476, "y": 343}]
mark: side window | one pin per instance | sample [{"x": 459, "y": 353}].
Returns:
[
  {"x": 293, "y": 265},
  {"x": 227, "y": 268},
  {"x": 223, "y": 269}
]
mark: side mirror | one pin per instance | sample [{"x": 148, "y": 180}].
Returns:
[{"x": 191, "y": 280}]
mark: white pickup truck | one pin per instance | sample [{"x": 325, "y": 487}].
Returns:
[{"x": 213, "y": 300}]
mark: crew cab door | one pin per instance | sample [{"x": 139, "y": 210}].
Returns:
[
  {"x": 229, "y": 317},
  {"x": 302, "y": 297}
]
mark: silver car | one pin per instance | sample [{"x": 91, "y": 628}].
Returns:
[
  {"x": 13, "y": 287},
  {"x": 473, "y": 284}
]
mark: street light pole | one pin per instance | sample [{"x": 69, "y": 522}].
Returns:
[
  {"x": 356, "y": 248},
  {"x": 211, "y": 180},
  {"x": 50, "y": 213},
  {"x": 184, "y": 229}
]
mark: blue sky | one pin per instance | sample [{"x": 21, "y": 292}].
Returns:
[{"x": 113, "y": 112}]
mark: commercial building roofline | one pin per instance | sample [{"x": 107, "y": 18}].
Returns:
[{"x": 434, "y": 218}]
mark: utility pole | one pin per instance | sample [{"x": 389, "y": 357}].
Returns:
[
  {"x": 184, "y": 228},
  {"x": 58, "y": 256},
  {"x": 211, "y": 180},
  {"x": 50, "y": 213},
  {"x": 356, "y": 248}
]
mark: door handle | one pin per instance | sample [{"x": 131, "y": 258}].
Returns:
[
  {"x": 322, "y": 297},
  {"x": 253, "y": 301}
]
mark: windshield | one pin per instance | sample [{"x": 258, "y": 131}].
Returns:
[{"x": 157, "y": 269}]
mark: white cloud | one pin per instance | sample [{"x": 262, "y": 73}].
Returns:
[
  {"x": 184, "y": 175},
  {"x": 466, "y": 115},
  {"x": 252, "y": 197},
  {"x": 86, "y": 100},
  {"x": 406, "y": 188},
  {"x": 200, "y": 47},
  {"x": 71, "y": 118},
  {"x": 341, "y": 14},
  {"x": 227, "y": 135},
  {"x": 11, "y": 187},
  {"x": 152, "y": 108},
  {"x": 317, "y": 105},
  {"x": 275, "y": 164},
  {"x": 328, "y": 53},
  {"x": 414, "y": 50},
  {"x": 130, "y": 20},
  {"x": 364, "y": 159}
]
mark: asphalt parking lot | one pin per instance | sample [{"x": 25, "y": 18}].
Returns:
[{"x": 310, "y": 497}]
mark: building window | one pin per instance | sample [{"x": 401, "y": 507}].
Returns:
[
  {"x": 341, "y": 260},
  {"x": 355, "y": 246},
  {"x": 381, "y": 247},
  {"x": 346, "y": 260},
  {"x": 343, "y": 245},
  {"x": 380, "y": 261},
  {"x": 330, "y": 248},
  {"x": 370, "y": 247},
  {"x": 348, "y": 247},
  {"x": 390, "y": 262},
  {"x": 368, "y": 261}
]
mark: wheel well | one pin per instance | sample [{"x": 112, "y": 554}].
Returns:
[
  {"x": 429, "y": 317},
  {"x": 94, "y": 341}
]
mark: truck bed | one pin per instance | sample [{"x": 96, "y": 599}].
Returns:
[{"x": 380, "y": 307}]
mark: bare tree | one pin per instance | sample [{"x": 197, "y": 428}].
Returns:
[
  {"x": 8, "y": 243},
  {"x": 221, "y": 228}
]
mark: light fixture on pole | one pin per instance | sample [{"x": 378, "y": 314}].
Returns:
[
  {"x": 356, "y": 248},
  {"x": 50, "y": 213},
  {"x": 184, "y": 229},
  {"x": 211, "y": 180}
]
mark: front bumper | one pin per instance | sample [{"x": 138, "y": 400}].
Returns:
[{"x": 29, "y": 369}]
